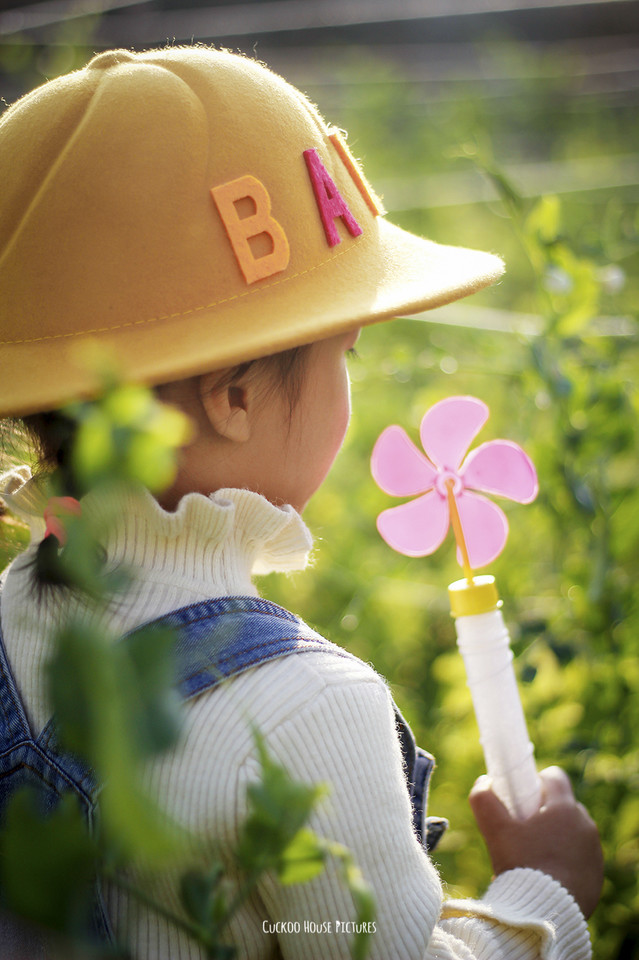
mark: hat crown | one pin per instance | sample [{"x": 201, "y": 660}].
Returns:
[
  {"x": 188, "y": 209},
  {"x": 113, "y": 215},
  {"x": 110, "y": 58}
]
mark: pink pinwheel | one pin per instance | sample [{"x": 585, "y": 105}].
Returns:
[{"x": 447, "y": 483}]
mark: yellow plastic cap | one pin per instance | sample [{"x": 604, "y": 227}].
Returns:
[{"x": 467, "y": 599}]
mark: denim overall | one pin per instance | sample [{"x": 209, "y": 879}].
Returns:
[{"x": 216, "y": 639}]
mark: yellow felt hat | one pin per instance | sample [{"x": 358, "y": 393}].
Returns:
[{"x": 186, "y": 209}]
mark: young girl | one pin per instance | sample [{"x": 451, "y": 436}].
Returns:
[{"x": 192, "y": 214}]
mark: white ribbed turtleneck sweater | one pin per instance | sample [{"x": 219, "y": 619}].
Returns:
[{"x": 324, "y": 717}]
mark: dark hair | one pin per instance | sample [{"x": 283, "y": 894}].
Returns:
[
  {"x": 51, "y": 435},
  {"x": 280, "y": 371}
]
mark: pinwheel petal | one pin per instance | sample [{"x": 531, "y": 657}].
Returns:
[
  {"x": 416, "y": 528},
  {"x": 501, "y": 467},
  {"x": 398, "y": 467},
  {"x": 485, "y": 528},
  {"x": 449, "y": 428}
]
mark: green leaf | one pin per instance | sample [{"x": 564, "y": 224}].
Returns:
[
  {"x": 154, "y": 700},
  {"x": 48, "y": 863},
  {"x": 302, "y": 859},
  {"x": 127, "y": 434},
  {"x": 544, "y": 220},
  {"x": 93, "y": 448},
  {"x": 94, "y": 700},
  {"x": 150, "y": 462},
  {"x": 278, "y": 808},
  {"x": 204, "y": 898},
  {"x": 274, "y": 837},
  {"x": 83, "y": 687},
  {"x": 128, "y": 405},
  {"x": 197, "y": 892}
]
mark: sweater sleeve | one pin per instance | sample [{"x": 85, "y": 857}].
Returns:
[{"x": 345, "y": 736}]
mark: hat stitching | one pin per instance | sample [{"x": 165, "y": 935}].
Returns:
[
  {"x": 51, "y": 172},
  {"x": 185, "y": 313}
]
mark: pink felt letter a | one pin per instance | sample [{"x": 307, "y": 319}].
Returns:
[{"x": 330, "y": 202}]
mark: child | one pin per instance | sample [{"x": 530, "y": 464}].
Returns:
[{"x": 191, "y": 213}]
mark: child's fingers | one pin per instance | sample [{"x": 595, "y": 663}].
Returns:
[
  {"x": 487, "y": 807},
  {"x": 556, "y": 787},
  {"x": 485, "y": 804},
  {"x": 560, "y": 839}
]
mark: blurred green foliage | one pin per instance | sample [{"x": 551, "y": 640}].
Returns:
[
  {"x": 553, "y": 350},
  {"x": 68, "y": 46},
  {"x": 127, "y": 434},
  {"x": 115, "y": 705}
]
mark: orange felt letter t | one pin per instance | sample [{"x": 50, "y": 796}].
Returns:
[{"x": 241, "y": 229}]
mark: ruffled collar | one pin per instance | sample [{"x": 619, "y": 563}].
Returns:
[{"x": 211, "y": 545}]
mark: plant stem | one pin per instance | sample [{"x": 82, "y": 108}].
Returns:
[{"x": 192, "y": 929}]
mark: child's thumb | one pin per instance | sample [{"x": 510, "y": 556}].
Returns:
[{"x": 487, "y": 808}]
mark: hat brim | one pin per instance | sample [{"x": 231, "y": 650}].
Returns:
[{"x": 387, "y": 273}]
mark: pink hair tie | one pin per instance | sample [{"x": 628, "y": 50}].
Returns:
[{"x": 56, "y": 508}]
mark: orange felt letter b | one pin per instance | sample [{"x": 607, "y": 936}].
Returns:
[{"x": 241, "y": 229}]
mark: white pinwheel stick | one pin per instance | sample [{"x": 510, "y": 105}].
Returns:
[{"x": 484, "y": 643}]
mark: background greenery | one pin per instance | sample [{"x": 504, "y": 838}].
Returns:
[{"x": 553, "y": 351}]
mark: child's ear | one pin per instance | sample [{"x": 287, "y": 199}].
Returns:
[{"x": 225, "y": 408}]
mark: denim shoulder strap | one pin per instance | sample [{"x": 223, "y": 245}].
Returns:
[
  {"x": 14, "y": 727},
  {"x": 29, "y": 762},
  {"x": 223, "y": 637},
  {"x": 25, "y": 760}
]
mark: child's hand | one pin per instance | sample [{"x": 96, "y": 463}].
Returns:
[{"x": 560, "y": 839}]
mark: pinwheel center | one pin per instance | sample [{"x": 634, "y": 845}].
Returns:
[{"x": 442, "y": 481}]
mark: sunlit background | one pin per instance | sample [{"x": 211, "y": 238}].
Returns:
[{"x": 510, "y": 126}]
